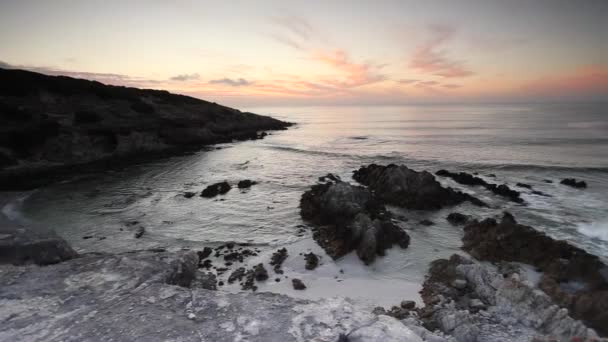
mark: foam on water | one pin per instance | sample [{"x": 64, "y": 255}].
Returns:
[{"x": 597, "y": 229}]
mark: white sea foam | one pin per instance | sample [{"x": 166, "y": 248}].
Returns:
[
  {"x": 597, "y": 229},
  {"x": 12, "y": 209}
]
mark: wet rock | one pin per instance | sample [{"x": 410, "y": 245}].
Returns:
[
  {"x": 398, "y": 312},
  {"x": 189, "y": 194},
  {"x": 216, "y": 189},
  {"x": 459, "y": 284},
  {"x": 298, "y": 284},
  {"x": 379, "y": 311},
  {"x": 468, "y": 179},
  {"x": 427, "y": 223},
  {"x": 204, "y": 254},
  {"x": 86, "y": 237},
  {"x": 312, "y": 261},
  {"x": 23, "y": 245},
  {"x": 260, "y": 273},
  {"x": 330, "y": 177},
  {"x": 346, "y": 218},
  {"x": 457, "y": 219},
  {"x": 408, "y": 304},
  {"x": 237, "y": 275},
  {"x": 560, "y": 262},
  {"x": 183, "y": 270},
  {"x": 574, "y": 183},
  {"x": 208, "y": 281},
  {"x": 540, "y": 193},
  {"x": 524, "y": 185},
  {"x": 245, "y": 184},
  {"x": 249, "y": 283},
  {"x": 547, "y": 181},
  {"x": 476, "y": 304},
  {"x": 277, "y": 259},
  {"x": 404, "y": 187},
  {"x": 139, "y": 232},
  {"x": 206, "y": 264}
]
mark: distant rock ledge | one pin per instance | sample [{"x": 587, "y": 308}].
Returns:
[{"x": 52, "y": 125}]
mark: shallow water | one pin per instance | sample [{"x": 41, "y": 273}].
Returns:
[{"x": 517, "y": 143}]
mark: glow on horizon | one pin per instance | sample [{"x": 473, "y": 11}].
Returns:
[{"x": 308, "y": 52}]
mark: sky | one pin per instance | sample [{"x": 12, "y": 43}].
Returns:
[{"x": 248, "y": 53}]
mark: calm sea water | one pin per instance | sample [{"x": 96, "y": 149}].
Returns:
[{"x": 518, "y": 143}]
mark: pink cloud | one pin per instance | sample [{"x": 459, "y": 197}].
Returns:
[
  {"x": 356, "y": 74},
  {"x": 431, "y": 58}
]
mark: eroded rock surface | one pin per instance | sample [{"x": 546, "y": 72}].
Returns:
[
  {"x": 572, "y": 277},
  {"x": 348, "y": 217},
  {"x": 404, "y": 187}
]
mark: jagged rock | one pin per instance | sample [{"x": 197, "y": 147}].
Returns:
[
  {"x": 208, "y": 281},
  {"x": 216, "y": 189},
  {"x": 561, "y": 263},
  {"x": 468, "y": 179},
  {"x": 237, "y": 275},
  {"x": 312, "y": 261},
  {"x": 493, "y": 308},
  {"x": 574, "y": 183},
  {"x": 204, "y": 254},
  {"x": 183, "y": 270},
  {"x": 23, "y": 245},
  {"x": 277, "y": 259},
  {"x": 408, "y": 304},
  {"x": 189, "y": 194},
  {"x": 245, "y": 184},
  {"x": 401, "y": 186},
  {"x": 347, "y": 218},
  {"x": 298, "y": 284},
  {"x": 524, "y": 185},
  {"x": 458, "y": 218},
  {"x": 260, "y": 273},
  {"x": 330, "y": 177}
]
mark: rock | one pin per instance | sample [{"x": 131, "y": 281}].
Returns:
[
  {"x": 379, "y": 311},
  {"x": 208, "y": 281},
  {"x": 574, "y": 183},
  {"x": 216, "y": 189},
  {"x": 260, "y": 272},
  {"x": 408, "y": 304},
  {"x": 101, "y": 126},
  {"x": 524, "y": 185},
  {"x": 547, "y": 181},
  {"x": 23, "y": 245},
  {"x": 427, "y": 222},
  {"x": 401, "y": 186},
  {"x": 245, "y": 184},
  {"x": 139, "y": 232},
  {"x": 204, "y": 254},
  {"x": 513, "y": 310},
  {"x": 468, "y": 179},
  {"x": 398, "y": 312},
  {"x": 312, "y": 261},
  {"x": 298, "y": 284},
  {"x": 347, "y": 218},
  {"x": 459, "y": 283},
  {"x": 189, "y": 194},
  {"x": 560, "y": 262},
  {"x": 183, "y": 270},
  {"x": 237, "y": 275},
  {"x": 330, "y": 177},
  {"x": 277, "y": 259},
  {"x": 540, "y": 193},
  {"x": 457, "y": 219}
]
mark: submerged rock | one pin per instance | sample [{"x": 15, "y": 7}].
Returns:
[
  {"x": 346, "y": 218},
  {"x": 404, "y": 187},
  {"x": 189, "y": 194},
  {"x": 139, "y": 232},
  {"x": 216, "y": 189},
  {"x": 298, "y": 284},
  {"x": 468, "y": 179},
  {"x": 574, "y": 183},
  {"x": 277, "y": 260},
  {"x": 312, "y": 261},
  {"x": 458, "y": 218},
  {"x": 561, "y": 263},
  {"x": 245, "y": 184}
]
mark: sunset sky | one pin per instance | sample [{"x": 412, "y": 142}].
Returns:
[{"x": 245, "y": 53}]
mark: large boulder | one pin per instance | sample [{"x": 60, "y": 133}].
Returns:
[
  {"x": 404, "y": 187},
  {"x": 24, "y": 245},
  {"x": 347, "y": 218},
  {"x": 574, "y": 278}
]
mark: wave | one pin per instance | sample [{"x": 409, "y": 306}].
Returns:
[
  {"x": 13, "y": 209},
  {"x": 597, "y": 229}
]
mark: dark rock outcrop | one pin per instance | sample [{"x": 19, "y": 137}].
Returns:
[
  {"x": 23, "y": 245},
  {"x": 277, "y": 259},
  {"x": 216, "y": 189},
  {"x": 246, "y": 183},
  {"x": 298, "y": 284},
  {"x": 404, "y": 187},
  {"x": 348, "y": 217},
  {"x": 53, "y": 125},
  {"x": 183, "y": 270},
  {"x": 468, "y": 179},
  {"x": 312, "y": 261},
  {"x": 458, "y": 218},
  {"x": 572, "y": 277},
  {"x": 574, "y": 183}
]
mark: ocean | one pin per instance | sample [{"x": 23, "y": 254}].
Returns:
[{"x": 528, "y": 143}]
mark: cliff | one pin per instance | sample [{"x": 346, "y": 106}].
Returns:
[{"x": 52, "y": 124}]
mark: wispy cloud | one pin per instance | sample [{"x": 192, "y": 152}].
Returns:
[
  {"x": 431, "y": 56},
  {"x": 185, "y": 77},
  {"x": 237, "y": 82},
  {"x": 355, "y": 74}
]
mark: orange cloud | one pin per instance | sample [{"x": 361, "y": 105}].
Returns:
[
  {"x": 431, "y": 58},
  {"x": 354, "y": 74}
]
